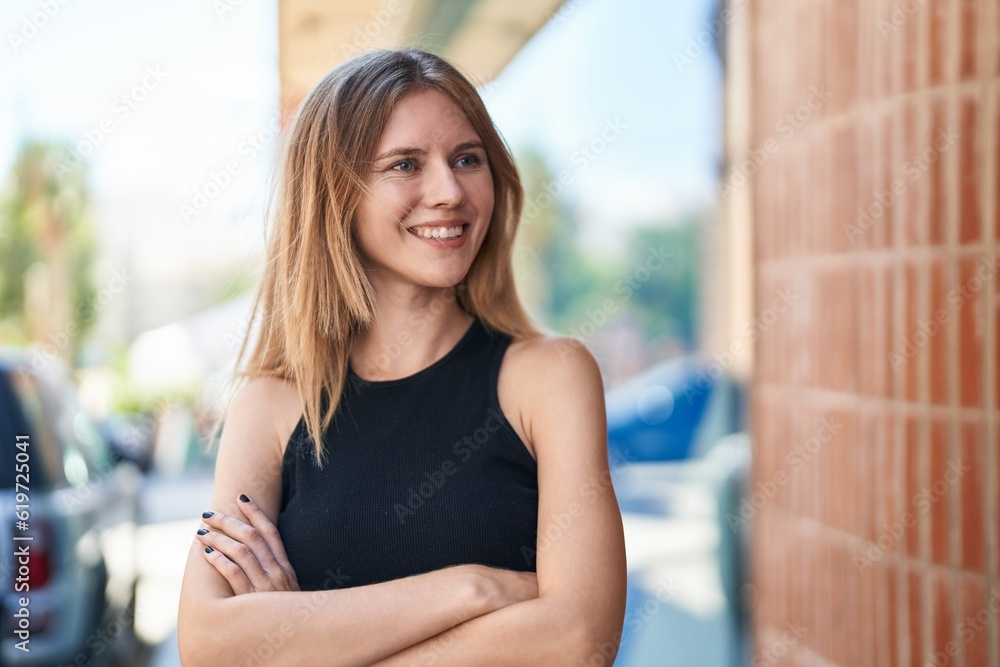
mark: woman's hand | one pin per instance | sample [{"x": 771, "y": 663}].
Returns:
[{"x": 249, "y": 554}]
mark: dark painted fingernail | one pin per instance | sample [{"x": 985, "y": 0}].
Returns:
[
  {"x": 207, "y": 515},
  {"x": 244, "y": 498},
  {"x": 209, "y": 550},
  {"x": 202, "y": 531}
]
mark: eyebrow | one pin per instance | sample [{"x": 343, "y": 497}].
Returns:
[{"x": 406, "y": 150}]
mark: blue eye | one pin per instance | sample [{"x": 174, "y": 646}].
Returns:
[
  {"x": 403, "y": 163},
  {"x": 471, "y": 160}
]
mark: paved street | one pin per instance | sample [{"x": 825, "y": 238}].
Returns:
[{"x": 171, "y": 511}]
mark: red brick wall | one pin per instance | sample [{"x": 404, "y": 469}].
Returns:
[{"x": 876, "y": 394}]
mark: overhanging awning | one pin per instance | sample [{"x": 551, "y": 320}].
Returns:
[{"x": 479, "y": 36}]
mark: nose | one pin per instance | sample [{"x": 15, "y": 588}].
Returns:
[{"x": 441, "y": 187}]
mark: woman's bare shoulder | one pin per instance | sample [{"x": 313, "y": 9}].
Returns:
[
  {"x": 270, "y": 404},
  {"x": 526, "y": 363},
  {"x": 527, "y": 353}
]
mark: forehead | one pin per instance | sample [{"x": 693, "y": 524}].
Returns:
[{"x": 425, "y": 118}]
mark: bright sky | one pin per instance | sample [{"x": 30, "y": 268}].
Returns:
[
  {"x": 179, "y": 88},
  {"x": 599, "y": 61},
  {"x": 171, "y": 92}
]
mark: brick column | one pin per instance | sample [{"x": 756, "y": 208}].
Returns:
[{"x": 873, "y": 172}]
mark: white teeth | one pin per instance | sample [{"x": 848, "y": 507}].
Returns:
[{"x": 438, "y": 232}]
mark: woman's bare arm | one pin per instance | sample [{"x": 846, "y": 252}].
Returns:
[
  {"x": 353, "y": 626},
  {"x": 578, "y": 616}
]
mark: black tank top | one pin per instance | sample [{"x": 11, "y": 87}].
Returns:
[{"x": 422, "y": 472}]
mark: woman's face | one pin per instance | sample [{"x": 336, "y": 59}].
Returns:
[{"x": 429, "y": 177}]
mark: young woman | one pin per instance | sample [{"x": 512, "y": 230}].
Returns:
[{"x": 453, "y": 505}]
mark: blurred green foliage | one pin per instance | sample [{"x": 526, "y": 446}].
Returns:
[
  {"x": 655, "y": 279},
  {"x": 240, "y": 282},
  {"x": 667, "y": 303},
  {"x": 44, "y": 219}
]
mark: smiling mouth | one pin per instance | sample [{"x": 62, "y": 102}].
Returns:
[{"x": 440, "y": 233}]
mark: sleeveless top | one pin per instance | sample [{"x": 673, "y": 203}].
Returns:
[{"x": 420, "y": 473}]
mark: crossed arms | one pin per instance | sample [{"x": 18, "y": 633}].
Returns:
[{"x": 240, "y": 603}]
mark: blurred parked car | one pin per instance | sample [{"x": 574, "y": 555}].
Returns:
[
  {"x": 674, "y": 411},
  {"x": 130, "y": 437},
  {"x": 680, "y": 458},
  {"x": 81, "y": 514}
]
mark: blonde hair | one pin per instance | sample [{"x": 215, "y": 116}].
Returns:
[{"x": 314, "y": 297}]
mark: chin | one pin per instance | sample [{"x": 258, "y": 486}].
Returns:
[
  {"x": 442, "y": 282},
  {"x": 447, "y": 280}
]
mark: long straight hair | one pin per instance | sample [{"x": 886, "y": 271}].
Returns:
[{"x": 315, "y": 297}]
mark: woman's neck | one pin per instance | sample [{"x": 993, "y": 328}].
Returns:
[{"x": 404, "y": 341}]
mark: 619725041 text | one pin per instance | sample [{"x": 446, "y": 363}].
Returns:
[{"x": 22, "y": 541}]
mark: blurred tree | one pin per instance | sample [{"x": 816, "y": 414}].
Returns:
[
  {"x": 535, "y": 235},
  {"x": 656, "y": 278},
  {"x": 667, "y": 301},
  {"x": 46, "y": 249},
  {"x": 558, "y": 275}
]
